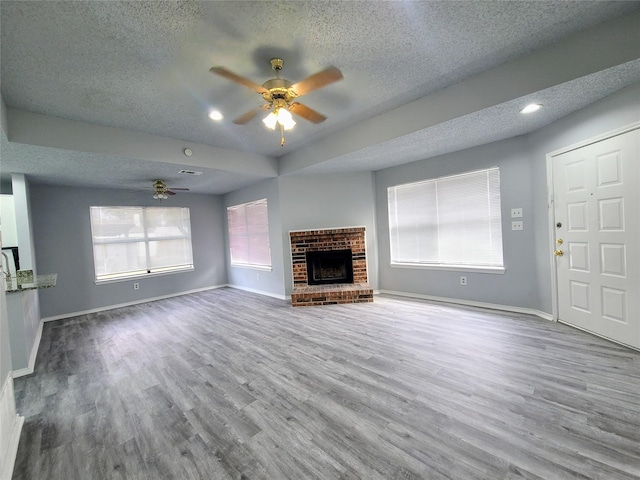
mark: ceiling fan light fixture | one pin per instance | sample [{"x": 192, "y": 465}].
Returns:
[
  {"x": 285, "y": 119},
  {"x": 160, "y": 196},
  {"x": 280, "y": 116},
  {"x": 271, "y": 120}
]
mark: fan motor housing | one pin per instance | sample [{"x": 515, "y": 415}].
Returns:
[{"x": 278, "y": 88}]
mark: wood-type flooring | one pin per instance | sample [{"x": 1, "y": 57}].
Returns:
[{"x": 230, "y": 385}]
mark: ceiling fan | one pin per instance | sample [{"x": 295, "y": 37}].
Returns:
[
  {"x": 279, "y": 95},
  {"x": 162, "y": 192}
]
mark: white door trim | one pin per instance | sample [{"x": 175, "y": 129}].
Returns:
[{"x": 551, "y": 205}]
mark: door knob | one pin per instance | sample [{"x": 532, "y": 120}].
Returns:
[
  {"x": 559, "y": 241},
  {"x": 558, "y": 253}
]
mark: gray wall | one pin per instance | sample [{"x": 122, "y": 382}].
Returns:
[
  {"x": 62, "y": 233},
  {"x": 5, "y": 346},
  {"x": 306, "y": 202},
  {"x": 259, "y": 280},
  {"x": 23, "y": 308},
  {"x": 517, "y": 286},
  {"x": 298, "y": 202},
  {"x": 523, "y": 167},
  {"x": 24, "y": 223},
  {"x": 329, "y": 201}
]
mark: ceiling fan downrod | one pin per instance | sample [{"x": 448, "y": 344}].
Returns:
[{"x": 277, "y": 64}]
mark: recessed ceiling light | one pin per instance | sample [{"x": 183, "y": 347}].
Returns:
[
  {"x": 215, "y": 115},
  {"x": 532, "y": 107}
]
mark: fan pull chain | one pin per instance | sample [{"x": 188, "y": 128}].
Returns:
[{"x": 281, "y": 135}]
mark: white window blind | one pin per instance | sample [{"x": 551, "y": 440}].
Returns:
[
  {"x": 134, "y": 241},
  {"x": 248, "y": 225},
  {"x": 448, "y": 221}
]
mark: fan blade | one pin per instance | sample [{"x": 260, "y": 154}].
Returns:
[
  {"x": 306, "y": 113},
  {"x": 245, "y": 118},
  {"x": 180, "y": 189},
  {"x": 169, "y": 192},
  {"x": 317, "y": 80},
  {"x": 223, "y": 72}
]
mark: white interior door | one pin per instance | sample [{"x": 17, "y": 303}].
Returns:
[{"x": 597, "y": 215}]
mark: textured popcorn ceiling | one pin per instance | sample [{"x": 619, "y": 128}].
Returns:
[
  {"x": 143, "y": 66},
  {"x": 485, "y": 126}
]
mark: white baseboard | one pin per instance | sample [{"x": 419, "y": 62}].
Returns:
[
  {"x": 10, "y": 428},
  {"x": 127, "y": 304},
  {"x": 471, "y": 303},
  {"x": 544, "y": 315},
  {"x": 21, "y": 372},
  {"x": 28, "y": 370},
  {"x": 260, "y": 292}
]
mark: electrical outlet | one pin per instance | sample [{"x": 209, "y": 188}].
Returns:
[
  {"x": 136, "y": 286},
  {"x": 463, "y": 280},
  {"x": 516, "y": 213},
  {"x": 517, "y": 225}
]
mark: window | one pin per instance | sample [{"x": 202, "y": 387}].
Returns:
[
  {"x": 452, "y": 222},
  {"x": 249, "y": 234},
  {"x": 134, "y": 241}
]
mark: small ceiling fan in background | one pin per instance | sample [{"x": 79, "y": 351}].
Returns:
[
  {"x": 162, "y": 192},
  {"x": 279, "y": 95}
]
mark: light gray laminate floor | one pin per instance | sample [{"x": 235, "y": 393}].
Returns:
[{"x": 226, "y": 384}]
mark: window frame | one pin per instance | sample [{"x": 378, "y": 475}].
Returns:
[
  {"x": 456, "y": 267},
  {"x": 250, "y": 235},
  {"x": 145, "y": 240}
]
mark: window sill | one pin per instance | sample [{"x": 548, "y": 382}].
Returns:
[
  {"x": 263, "y": 268},
  {"x": 451, "y": 268},
  {"x": 142, "y": 275}
]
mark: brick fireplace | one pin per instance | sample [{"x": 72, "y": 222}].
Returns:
[{"x": 307, "y": 253}]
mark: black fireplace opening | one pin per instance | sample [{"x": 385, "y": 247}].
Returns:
[{"x": 333, "y": 266}]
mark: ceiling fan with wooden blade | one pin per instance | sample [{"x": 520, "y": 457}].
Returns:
[
  {"x": 161, "y": 191},
  {"x": 306, "y": 112},
  {"x": 279, "y": 93},
  {"x": 317, "y": 80},
  {"x": 248, "y": 116},
  {"x": 223, "y": 72}
]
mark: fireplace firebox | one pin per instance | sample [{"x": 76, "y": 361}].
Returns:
[{"x": 325, "y": 267}]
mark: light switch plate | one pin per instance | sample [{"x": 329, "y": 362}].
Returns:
[
  {"x": 516, "y": 213},
  {"x": 517, "y": 225}
]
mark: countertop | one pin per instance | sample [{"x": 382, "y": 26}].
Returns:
[{"x": 25, "y": 280}]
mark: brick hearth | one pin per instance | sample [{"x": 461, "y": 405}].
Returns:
[{"x": 326, "y": 240}]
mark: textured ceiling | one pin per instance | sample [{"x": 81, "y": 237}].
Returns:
[{"x": 143, "y": 66}]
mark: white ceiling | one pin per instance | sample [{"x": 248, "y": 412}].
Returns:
[{"x": 120, "y": 88}]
